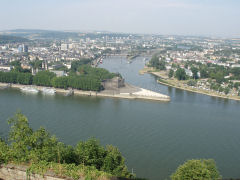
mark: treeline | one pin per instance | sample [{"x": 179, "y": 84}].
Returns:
[
  {"x": 42, "y": 151},
  {"x": 16, "y": 77},
  {"x": 86, "y": 78},
  {"x": 96, "y": 73},
  {"x": 5, "y": 39},
  {"x": 156, "y": 63}
]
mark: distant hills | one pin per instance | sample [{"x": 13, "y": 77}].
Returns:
[
  {"x": 4, "y": 39},
  {"x": 52, "y": 34}
]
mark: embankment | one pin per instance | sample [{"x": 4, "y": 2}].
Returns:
[{"x": 140, "y": 93}]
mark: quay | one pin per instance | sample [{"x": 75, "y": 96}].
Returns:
[{"x": 126, "y": 92}]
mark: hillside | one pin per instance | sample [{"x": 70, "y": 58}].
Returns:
[{"x": 4, "y": 39}]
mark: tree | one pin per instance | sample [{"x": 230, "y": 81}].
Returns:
[
  {"x": 43, "y": 78},
  {"x": 158, "y": 64},
  {"x": 36, "y": 64},
  {"x": 226, "y": 90},
  {"x": 196, "y": 169},
  {"x": 219, "y": 77},
  {"x": 33, "y": 147},
  {"x": 195, "y": 72},
  {"x": 181, "y": 74},
  {"x": 4, "y": 152},
  {"x": 114, "y": 162},
  {"x": 171, "y": 73},
  {"x": 90, "y": 153},
  {"x": 204, "y": 73},
  {"x": 20, "y": 137}
]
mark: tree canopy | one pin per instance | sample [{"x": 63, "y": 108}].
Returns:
[
  {"x": 197, "y": 169},
  {"x": 25, "y": 145}
]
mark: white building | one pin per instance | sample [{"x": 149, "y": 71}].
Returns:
[{"x": 64, "y": 47}]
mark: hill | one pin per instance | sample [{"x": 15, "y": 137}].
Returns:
[{"x": 4, "y": 39}]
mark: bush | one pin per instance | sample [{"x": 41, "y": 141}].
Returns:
[
  {"x": 191, "y": 83},
  {"x": 196, "y": 169}
]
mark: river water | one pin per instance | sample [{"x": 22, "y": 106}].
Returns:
[{"x": 154, "y": 137}]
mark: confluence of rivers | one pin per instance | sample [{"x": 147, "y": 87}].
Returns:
[{"x": 154, "y": 137}]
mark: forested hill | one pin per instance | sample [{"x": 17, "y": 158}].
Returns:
[{"x": 4, "y": 39}]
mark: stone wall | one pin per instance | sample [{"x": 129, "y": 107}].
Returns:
[
  {"x": 14, "y": 172},
  {"x": 18, "y": 172}
]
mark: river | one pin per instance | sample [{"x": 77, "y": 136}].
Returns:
[{"x": 154, "y": 137}]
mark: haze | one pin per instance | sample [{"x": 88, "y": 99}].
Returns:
[{"x": 178, "y": 17}]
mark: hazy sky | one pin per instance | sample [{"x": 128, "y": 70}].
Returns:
[{"x": 181, "y": 17}]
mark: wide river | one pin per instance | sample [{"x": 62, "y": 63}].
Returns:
[{"x": 154, "y": 137}]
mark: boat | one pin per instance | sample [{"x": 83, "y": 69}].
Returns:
[
  {"x": 50, "y": 91},
  {"x": 29, "y": 90}
]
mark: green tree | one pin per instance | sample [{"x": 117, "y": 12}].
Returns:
[
  {"x": 4, "y": 152},
  {"x": 36, "y": 64},
  {"x": 226, "y": 90},
  {"x": 195, "y": 72},
  {"x": 20, "y": 137},
  {"x": 43, "y": 78},
  {"x": 181, "y": 74},
  {"x": 204, "y": 73},
  {"x": 219, "y": 77},
  {"x": 114, "y": 163},
  {"x": 171, "y": 73},
  {"x": 90, "y": 153},
  {"x": 197, "y": 169}
]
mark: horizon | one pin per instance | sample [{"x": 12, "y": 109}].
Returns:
[
  {"x": 161, "y": 17},
  {"x": 8, "y": 31}
]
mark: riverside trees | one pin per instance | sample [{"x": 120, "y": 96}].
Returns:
[
  {"x": 85, "y": 78},
  {"x": 25, "y": 145}
]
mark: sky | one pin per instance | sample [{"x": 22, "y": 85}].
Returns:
[{"x": 166, "y": 17}]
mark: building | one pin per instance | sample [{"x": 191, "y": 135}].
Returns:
[
  {"x": 64, "y": 47},
  {"x": 22, "y": 48},
  {"x": 188, "y": 72},
  {"x": 5, "y": 68},
  {"x": 59, "y": 73}
]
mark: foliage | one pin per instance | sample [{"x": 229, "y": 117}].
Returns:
[
  {"x": 191, "y": 83},
  {"x": 114, "y": 162},
  {"x": 171, "y": 73},
  {"x": 36, "y": 64},
  {"x": 158, "y": 64},
  {"x": 226, "y": 90},
  {"x": 195, "y": 72},
  {"x": 76, "y": 64},
  {"x": 236, "y": 85},
  {"x": 86, "y": 78},
  {"x": 4, "y": 152},
  {"x": 43, "y": 78},
  {"x": 77, "y": 82},
  {"x": 97, "y": 73},
  {"x": 43, "y": 152},
  {"x": 196, "y": 169},
  {"x": 4, "y": 39},
  {"x": 90, "y": 153},
  {"x": 181, "y": 74},
  {"x": 16, "y": 77}
]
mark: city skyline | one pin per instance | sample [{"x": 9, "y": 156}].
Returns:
[{"x": 167, "y": 17}]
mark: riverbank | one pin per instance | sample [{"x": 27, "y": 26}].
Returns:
[
  {"x": 127, "y": 92},
  {"x": 164, "y": 80}
]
